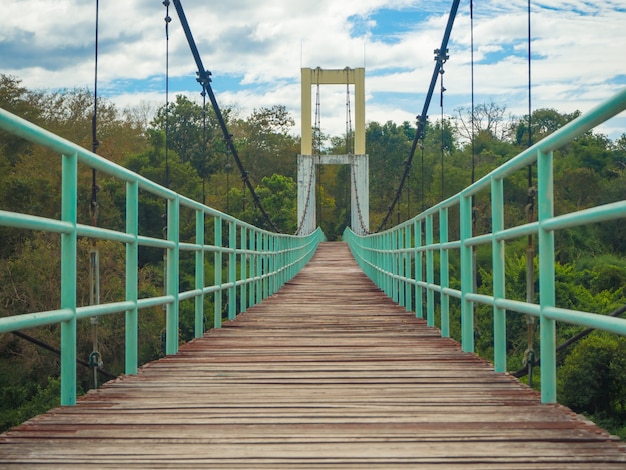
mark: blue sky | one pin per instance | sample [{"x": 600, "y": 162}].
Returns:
[{"x": 255, "y": 51}]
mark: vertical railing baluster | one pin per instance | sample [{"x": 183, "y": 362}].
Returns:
[
  {"x": 199, "y": 299},
  {"x": 259, "y": 267},
  {"x": 132, "y": 259},
  {"x": 397, "y": 242},
  {"x": 467, "y": 279},
  {"x": 217, "y": 272},
  {"x": 243, "y": 270},
  {"x": 444, "y": 273},
  {"x": 545, "y": 211},
  {"x": 232, "y": 269},
  {"x": 419, "y": 269},
  {"x": 408, "y": 272},
  {"x": 171, "y": 331},
  {"x": 498, "y": 268},
  {"x": 430, "y": 272},
  {"x": 252, "y": 284},
  {"x": 69, "y": 201}
]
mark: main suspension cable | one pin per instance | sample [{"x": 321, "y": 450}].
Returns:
[
  {"x": 95, "y": 358},
  {"x": 473, "y": 130},
  {"x": 529, "y": 354},
  {"x": 443, "y": 89},
  {"x": 168, "y": 20},
  {"x": 440, "y": 57},
  {"x": 204, "y": 78},
  {"x": 204, "y": 146}
]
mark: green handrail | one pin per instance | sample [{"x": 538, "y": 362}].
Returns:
[
  {"x": 258, "y": 262},
  {"x": 383, "y": 255}
]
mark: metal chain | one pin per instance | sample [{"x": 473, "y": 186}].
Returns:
[
  {"x": 308, "y": 197},
  {"x": 318, "y": 144},
  {"x": 356, "y": 195},
  {"x": 349, "y": 150}
]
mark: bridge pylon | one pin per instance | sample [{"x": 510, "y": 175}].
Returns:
[{"x": 308, "y": 161}]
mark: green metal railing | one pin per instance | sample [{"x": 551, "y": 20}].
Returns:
[
  {"x": 257, "y": 262},
  {"x": 403, "y": 261}
]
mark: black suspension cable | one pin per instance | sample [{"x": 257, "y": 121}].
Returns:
[
  {"x": 440, "y": 58},
  {"x": 204, "y": 146},
  {"x": 318, "y": 145},
  {"x": 423, "y": 196},
  {"x": 94, "y": 262},
  {"x": 168, "y": 20},
  {"x": 94, "y": 124},
  {"x": 565, "y": 344},
  {"x": 530, "y": 140},
  {"x": 408, "y": 196},
  {"x": 204, "y": 78},
  {"x": 529, "y": 355},
  {"x": 473, "y": 107},
  {"x": 56, "y": 351},
  {"x": 443, "y": 89}
]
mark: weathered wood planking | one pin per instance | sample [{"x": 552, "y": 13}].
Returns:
[{"x": 327, "y": 373}]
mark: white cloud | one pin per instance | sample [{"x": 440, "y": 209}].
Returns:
[{"x": 576, "y": 51}]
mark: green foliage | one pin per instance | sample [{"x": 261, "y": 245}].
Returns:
[
  {"x": 265, "y": 144},
  {"x": 590, "y": 267},
  {"x": 277, "y": 195},
  {"x": 22, "y": 401},
  {"x": 593, "y": 376},
  {"x": 195, "y": 136}
]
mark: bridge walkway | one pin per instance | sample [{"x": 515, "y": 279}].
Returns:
[{"x": 327, "y": 373}]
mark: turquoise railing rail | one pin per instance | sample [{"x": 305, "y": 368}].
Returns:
[
  {"x": 402, "y": 261},
  {"x": 256, "y": 262}
]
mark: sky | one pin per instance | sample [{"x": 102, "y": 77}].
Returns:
[{"x": 255, "y": 50}]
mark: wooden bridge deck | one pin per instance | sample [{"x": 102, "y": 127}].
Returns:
[{"x": 327, "y": 373}]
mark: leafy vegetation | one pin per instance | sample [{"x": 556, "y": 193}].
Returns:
[{"x": 193, "y": 160}]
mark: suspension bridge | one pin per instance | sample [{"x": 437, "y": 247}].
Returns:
[{"x": 334, "y": 355}]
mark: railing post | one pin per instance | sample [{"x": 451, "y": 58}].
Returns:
[
  {"x": 430, "y": 273},
  {"x": 284, "y": 256},
  {"x": 444, "y": 271},
  {"x": 498, "y": 270},
  {"x": 267, "y": 270},
  {"x": 68, "y": 278},
  {"x": 132, "y": 257},
  {"x": 243, "y": 270},
  {"x": 199, "y": 300},
  {"x": 467, "y": 278},
  {"x": 390, "y": 261},
  {"x": 217, "y": 272},
  {"x": 232, "y": 269},
  {"x": 419, "y": 270},
  {"x": 382, "y": 246},
  {"x": 408, "y": 291},
  {"x": 396, "y": 243},
  {"x": 259, "y": 266},
  {"x": 273, "y": 263},
  {"x": 251, "y": 287},
  {"x": 171, "y": 333},
  {"x": 545, "y": 211}
]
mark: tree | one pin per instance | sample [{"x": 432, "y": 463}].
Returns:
[
  {"x": 278, "y": 196},
  {"x": 487, "y": 118},
  {"x": 592, "y": 379},
  {"x": 543, "y": 123},
  {"x": 265, "y": 143},
  {"x": 388, "y": 146},
  {"x": 194, "y": 136}
]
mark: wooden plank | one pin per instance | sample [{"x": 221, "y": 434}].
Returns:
[{"x": 327, "y": 373}]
